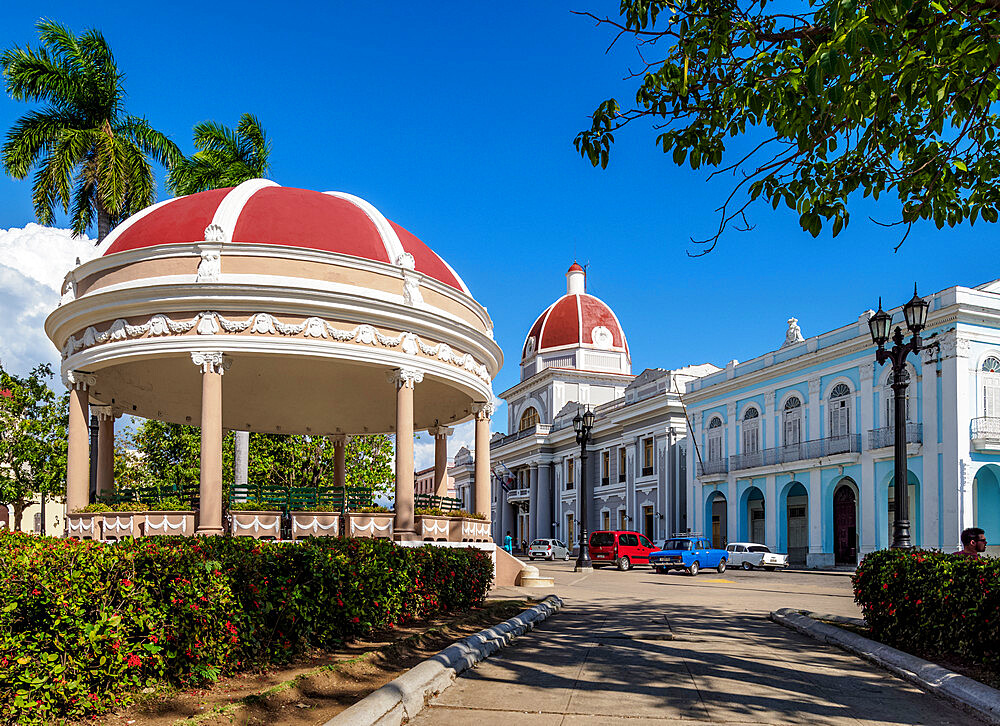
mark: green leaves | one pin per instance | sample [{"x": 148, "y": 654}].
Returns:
[
  {"x": 224, "y": 157},
  {"x": 830, "y": 98}
]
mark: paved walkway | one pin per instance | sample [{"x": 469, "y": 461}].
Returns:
[{"x": 637, "y": 648}]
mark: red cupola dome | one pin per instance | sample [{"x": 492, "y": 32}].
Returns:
[
  {"x": 576, "y": 320},
  {"x": 261, "y": 212}
]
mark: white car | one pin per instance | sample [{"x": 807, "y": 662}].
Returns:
[
  {"x": 548, "y": 549},
  {"x": 749, "y": 555}
]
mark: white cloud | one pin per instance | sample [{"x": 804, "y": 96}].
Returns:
[{"x": 33, "y": 262}]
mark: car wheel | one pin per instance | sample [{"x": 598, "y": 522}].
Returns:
[
  {"x": 693, "y": 569},
  {"x": 624, "y": 563},
  {"x": 722, "y": 566},
  {"x": 661, "y": 570},
  {"x": 747, "y": 566},
  {"x": 531, "y": 559},
  {"x": 553, "y": 557},
  {"x": 566, "y": 558}
]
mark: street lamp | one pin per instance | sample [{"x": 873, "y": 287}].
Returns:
[
  {"x": 583, "y": 425},
  {"x": 915, "y": 314}
]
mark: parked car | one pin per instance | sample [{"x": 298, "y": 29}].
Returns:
[
  {"x": 621, "y": 548},
  {"x": 548, "y": 549},
  {"x": 688, "y": 553},
  {"x": 749, "y": 555}
]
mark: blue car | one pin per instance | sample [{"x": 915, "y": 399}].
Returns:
[{"x": 688, "y": 553}]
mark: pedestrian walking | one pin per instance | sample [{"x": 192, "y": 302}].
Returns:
[
  {"x": 508, "y": 543},
  {"x": 973, "y": 543},
  {"x": 524, "y": 546}
]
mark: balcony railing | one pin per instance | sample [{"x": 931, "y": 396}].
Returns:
[
  {"x": 885, "y": 436},
  {"x": 537, "y": 429},
  {"x": 516, "y": 495},
  {"x": 797, "y": 452},
  {"x": 986, "y": 428},
  {"x": 712, "y": 467}
]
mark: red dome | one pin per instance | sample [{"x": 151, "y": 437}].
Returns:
[
  {"x": 576, "y": 320},
  {"x": 261, "y": 212}
]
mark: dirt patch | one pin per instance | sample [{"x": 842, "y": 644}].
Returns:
[{"x": 316, "y": 686}]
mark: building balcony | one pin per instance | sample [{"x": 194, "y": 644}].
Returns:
[
  {"x": 986, "y": 434},
  {"x": 885, "y": 436},
  {"x": 850, "y": 444},
  {"x": 536, "y": 430},
  {"x": 518, "y": 495},
  {"x": 712, "y": 467}
]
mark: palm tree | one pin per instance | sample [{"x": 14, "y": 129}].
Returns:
[
  {"x": 224, "y": 158},
  {"x": 82, "y": 144}
]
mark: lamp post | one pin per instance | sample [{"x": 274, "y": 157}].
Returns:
[
  {"x": 915, "y": 313},
  {"x": 583, "y": 425}
]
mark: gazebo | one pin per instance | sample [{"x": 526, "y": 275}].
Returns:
[{"x": 272, "y": 309}]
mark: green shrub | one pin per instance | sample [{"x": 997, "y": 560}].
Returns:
[
  {"x": 170, "y": 504},
  {"x": 932, "y": 603},
  {"x": 371, "y": 509},
  {"x": 84, "y": 624},
  {"x": 97, "y": 507},
  {"x": 328, "y": 508},
  {"x": 252, "y": 505},
  {"x": 428, "y": 512},
  {"x": 129, "y": 507}
]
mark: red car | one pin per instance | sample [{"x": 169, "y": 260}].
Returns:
[{"x": 619, "y": 547}]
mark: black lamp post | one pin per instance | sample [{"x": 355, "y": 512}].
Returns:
[
  {"x": 583, "y": 425},
  {"x": 915, "y": 313}
]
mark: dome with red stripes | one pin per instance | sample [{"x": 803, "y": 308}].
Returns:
[
  {"x": 576, "y": 320},
  {"x": 261, "y": 212}
]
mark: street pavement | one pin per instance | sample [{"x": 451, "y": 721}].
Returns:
[{"x": 635, "y": 648}]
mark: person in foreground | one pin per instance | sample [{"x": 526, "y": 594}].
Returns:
[{"x": 973, "y": 543}]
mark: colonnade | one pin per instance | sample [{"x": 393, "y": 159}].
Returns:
[{"x": 213, "y": 365}]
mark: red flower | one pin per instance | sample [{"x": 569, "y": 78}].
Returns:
[
  {"x": 134, "y": 661},
  {"x": 355, "y": 619}
]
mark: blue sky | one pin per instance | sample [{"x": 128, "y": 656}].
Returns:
[{"x": 457, "y": 121}]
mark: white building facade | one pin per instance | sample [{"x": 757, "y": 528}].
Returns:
[
  {"x": 794, "y": 448},
  {"x": 575, "y": 356}
]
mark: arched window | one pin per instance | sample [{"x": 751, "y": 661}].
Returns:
[
  {"x": 751, "y": 430},
  {"x": 715, "y": 439},
  {"x": 529, "y": 419},
  {"x": 840, "y": 411},
  {"x": 890, "y": 399},
  {"x": 991, "y": 387},
  {"x": 792, "y": 422}
]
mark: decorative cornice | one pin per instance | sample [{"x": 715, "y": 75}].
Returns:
[
  {"x": 211, "y": 361},
  {"x": 212, "y": 323},
  {"x": 79, "y": 380},
  {"x": 404, "y": 377}
]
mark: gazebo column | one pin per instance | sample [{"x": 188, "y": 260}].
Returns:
[
  {"x": 339, "y": 442},
  {"x": 212, "y": 365},
  {"x": 440, "y": 434},
  {"x": 481, "y": 475},
  {"x": 405, "y": 380},
  {"x": 78, "y": 441},
  {"x": 105, "y": 450}
]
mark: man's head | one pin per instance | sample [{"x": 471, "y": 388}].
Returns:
[{"x": 974, "y": 538}]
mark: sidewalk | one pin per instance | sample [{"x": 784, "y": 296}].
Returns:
[{"x": 610, "y": 658}]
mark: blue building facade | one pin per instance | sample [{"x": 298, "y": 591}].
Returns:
[{"x": 794, "y": 448}]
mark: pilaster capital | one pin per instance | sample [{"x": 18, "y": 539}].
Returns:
[
  {"x": 731, "y": 411},
  {"x": 338, "y": 439},
  {"x": 769, "y": 399},
  {"x": 440, "y": 432},
  {"x": 952, "y": 345},
  {"x": 79, "y": 380},
  {"x": 404, "y": 377},
  {"x": 211, "y": 361},
  {"x": 483, "y": 410},
  {"x": 103, "y": 413},
  {"x": 813, "y": 387},
  {"x": 866, "y": 372}
]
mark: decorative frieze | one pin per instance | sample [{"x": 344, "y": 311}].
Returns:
[{"x": 213, "y": 323}]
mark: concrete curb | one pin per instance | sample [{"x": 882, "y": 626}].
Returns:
[
  {"x": 964, "y": 692},
  {"x": 400, "y": 700}
]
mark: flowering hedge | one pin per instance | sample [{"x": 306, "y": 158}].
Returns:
[
  {"x": 84, "y": 624},
  {"x": 932, "y": 603}
]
